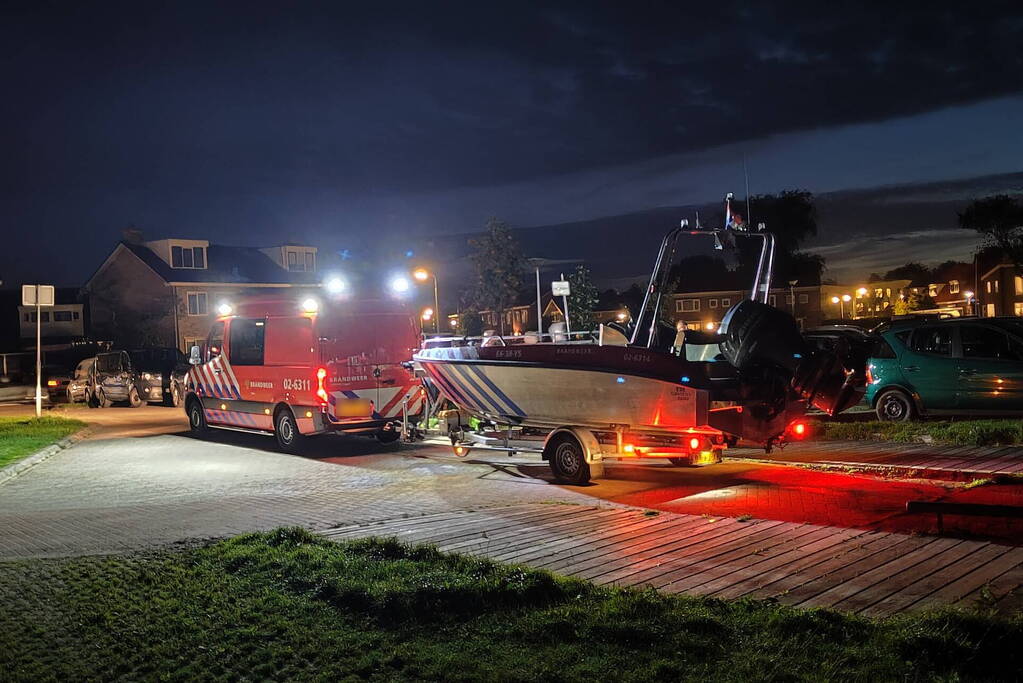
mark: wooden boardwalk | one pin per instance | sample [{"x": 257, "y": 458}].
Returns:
[
  {"x": 919, "y": 458},
  {"x": 867, "y": 572}
]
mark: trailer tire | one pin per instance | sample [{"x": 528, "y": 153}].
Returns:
[
  {"x": 197, "y": 418},
  {"x": 101, "y": 399},
  {"x": 680, "y": 462},
  {"x": 289, "y": 439},
  {"x": 568, "y": 459},
  {"x": 134, "y": 400},
  {"x": 388, "y": 435}
]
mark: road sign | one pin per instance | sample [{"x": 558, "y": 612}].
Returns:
[
  {"x": 560, "y": 288},
  {"x": 37, "y": 295}
]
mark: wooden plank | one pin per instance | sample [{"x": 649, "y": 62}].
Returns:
[
  {"x": 993, "y": 581},
  {"x": 669, "y": 525},
  {"x": 524, "y": 539},
  {"x": 538, "y": 523},
  {"x": 980, "y": 554},
  {"x": 409, "y": 522},
  {"x": 872, "y": 572},
  {"x": 835, "y": 566},
  {"x": 891, "y": 581},
  {"x": 583, "y": 563},
  {"x": 548, "y": 557},
  {"x": 447, "y": 530},
  {"x": 702, "y": 580},
  {"x": 687, "y": 555},
  {"x": 652, "y": 554},
  {"x": 785, "y": 564}
]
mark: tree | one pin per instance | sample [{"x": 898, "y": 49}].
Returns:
[
  {"x": 499, "y": 270},
  {"x": 998, "y": 218},
  {"x": 583, "y": 299},
  {"x": 918, "y": 274},
  {"x": 469, "y": 323}
]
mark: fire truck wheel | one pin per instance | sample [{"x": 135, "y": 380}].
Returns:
[
  {"x": 289, "y": 439},
  {"x": 388, "y": 435},
  {"x": 173, "y": 399},
  {"x": 567, "y": 460},
  {"x": 134, "y": 400},
  {"x": 196, "y": 417}
]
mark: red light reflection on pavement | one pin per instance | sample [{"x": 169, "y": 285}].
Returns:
[{"x": 795, "y": 494}]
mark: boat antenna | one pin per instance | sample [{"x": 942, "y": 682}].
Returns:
[
  {"x": 728, "y": 211},
  {"x": 745, "y": 172},
  {"x": 697, "y": 220}
]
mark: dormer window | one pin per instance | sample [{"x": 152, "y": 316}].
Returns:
[
  {"x": 301, "y": 261},
  {"x": 188, "y": 257},
  {"x": 953, "y": 286}
]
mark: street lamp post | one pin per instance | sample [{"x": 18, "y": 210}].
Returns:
[
  {"x": 792, "y": 295},
  {"x": 841, "y": 301},
  {"x": 423, "y": 275}
]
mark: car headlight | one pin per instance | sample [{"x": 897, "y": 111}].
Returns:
[{"x": 146, "y": 375}]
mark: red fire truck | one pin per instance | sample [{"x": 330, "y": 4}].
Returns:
[{"x": 293, "y": 369}]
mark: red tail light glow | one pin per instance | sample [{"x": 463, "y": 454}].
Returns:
[
  {"x": 798, "y": 430},
  {"x": 694, "y": 443},
  {"x": 321, "y": 391}
]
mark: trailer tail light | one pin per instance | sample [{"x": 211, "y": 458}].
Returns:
[
  {"x": 798, "y": 429},
  {"x": 321, "y": 391}
]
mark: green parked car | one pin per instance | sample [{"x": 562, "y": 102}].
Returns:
[{"x": 953, "y": 366}]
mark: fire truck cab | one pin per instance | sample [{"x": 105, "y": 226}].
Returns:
[{"x": 300, "y": 368}]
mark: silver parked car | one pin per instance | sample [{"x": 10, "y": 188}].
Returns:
[{"x": 78, "y": 386}]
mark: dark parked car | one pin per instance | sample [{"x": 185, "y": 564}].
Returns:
[
  {"x": 114, "y": 378},
  {"x": 162, "y": 374},
  {"x": 952, "y": 366}
]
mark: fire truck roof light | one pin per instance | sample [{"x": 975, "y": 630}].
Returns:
[
  {"x": 224, "y": 308},
  {"x": 310, "y": 305},
  {"x": 335, "y": 285}
]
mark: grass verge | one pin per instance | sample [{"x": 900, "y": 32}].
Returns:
[
  {"x": 22, "y": 436},
  {"x": 289, "y": 605},
  {"x": 958, "y": 433}
]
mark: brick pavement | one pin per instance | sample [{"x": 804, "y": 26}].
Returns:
[{"x": 113, "y": 495}]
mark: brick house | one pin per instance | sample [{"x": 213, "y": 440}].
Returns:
[
  {"x": 1001, "y": 291},
  {"x": 166, "y": 292}
]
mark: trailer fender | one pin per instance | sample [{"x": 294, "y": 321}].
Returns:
[{"x": 591, "y": 447}]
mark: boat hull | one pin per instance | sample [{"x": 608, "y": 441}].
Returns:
[{"x": 548, "y": 397}]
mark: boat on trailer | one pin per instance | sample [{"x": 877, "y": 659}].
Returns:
[{"x": 644, "y": 392}]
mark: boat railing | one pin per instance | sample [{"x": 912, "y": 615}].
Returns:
[{"x": 527, "y": 338}]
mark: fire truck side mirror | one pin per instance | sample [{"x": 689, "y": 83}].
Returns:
[{"x": 195, "y": 356}]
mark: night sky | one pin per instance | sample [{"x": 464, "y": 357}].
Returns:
[{"x": 337, "y": 123}]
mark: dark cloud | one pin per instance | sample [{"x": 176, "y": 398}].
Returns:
[{"x": 242, "y": 120}]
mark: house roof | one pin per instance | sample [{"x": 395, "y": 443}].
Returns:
[{"x": 246, "y": 265}]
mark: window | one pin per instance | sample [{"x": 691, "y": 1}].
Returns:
[
  {"x": 804, "y": 298},
  {"x": 301, "y": 261},
  {"x": 687, "y": 305},
  {"x": 1017, "y": 308},
  {"x": 879, "y": 293},
  {"x": 188, "y": 257},
  {"x": 996, "y": 286},
  {"x": 310, "y": 266},
  {"x": 788, "y": 299},
  {"x": 215, "y": 342},
  {"x": 62, "y": 316},
  {"x": 988, "y": 286},
  {"x": 985, "y": 342},
  {"x": 989, "y": 310},
  {"x": 292, "y": 260},
  {"x": 882, "y": 349},
  {"x": 936, "y": 341},
  {"x": 75, "y": 314},
  {"x": 712, "y": 303},
  {"x": 725, "y": 303},
  {"x": 197, "y": 303},
  {"x": 773, "y": 300},
  {"x": 1018, "y": 281},
  {"x": 953, "y": 286},
  {"x": 247, "y": 341},
  {"x": 27, "y": 318}
]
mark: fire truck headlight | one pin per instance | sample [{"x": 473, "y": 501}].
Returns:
[
  {"x": 335, "y": 285},
  {"x": 399, "y": 285},
  {"x": 310, "y": 305}
]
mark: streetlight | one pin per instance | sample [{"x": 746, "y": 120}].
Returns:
[
  {"x": 841, "y": 302},
  {"x": 792, "y": 295},
  {"x": 969, "y": 301},
  {"x": 422, "y": 274}
]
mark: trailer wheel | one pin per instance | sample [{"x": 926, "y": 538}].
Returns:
[
  {"x": 680, "y": 462},
  {"x": 289, "y": 439},
  {"x": 197, "y": 418},
  {"x": 568, "y": 460},
  {"x": 101, "y": 399},
  {"x": 388, "y": 435},
  {"x": 134, "y": 400}
]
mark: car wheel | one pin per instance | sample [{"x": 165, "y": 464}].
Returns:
[
  {"x": 567, "y": 460},
  {"x": 173, "y": 399},
  {"x": 68, "y": 396},
  {"x": 134, "y": 400},
  {"x": 101, "y": 399},
  {"x": 388, "y": 435},
  {"x": 894, "y": 405},
  {"x": 289, "y": 439},
  {"x": 197, "y": 418}
]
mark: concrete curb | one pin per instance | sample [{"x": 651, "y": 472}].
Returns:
[{"x": 14, "y": 469}]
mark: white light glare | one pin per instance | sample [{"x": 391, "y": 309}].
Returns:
[{"x": 335, "y": 285}]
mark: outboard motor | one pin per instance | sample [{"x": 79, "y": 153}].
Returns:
[{"x": 764, "y": 339}]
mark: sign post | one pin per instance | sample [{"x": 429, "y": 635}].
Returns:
[
  {"x": 562, "y": 289},
  {"x": 38, "y": 296}
]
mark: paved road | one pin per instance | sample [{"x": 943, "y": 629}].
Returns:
[{"x": 140, "y": 479}]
